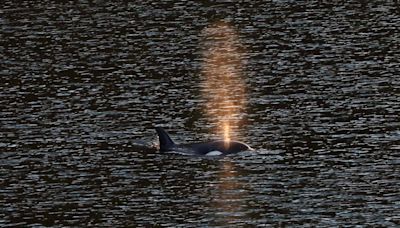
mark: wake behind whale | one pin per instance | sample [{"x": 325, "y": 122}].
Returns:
[{"x": 216, "y": 148}]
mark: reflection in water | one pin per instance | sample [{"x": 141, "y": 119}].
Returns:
[
  {"x": 223, "y": 87},
  {"x": 229, "y": 196},
  {"x": 224, "y": 91}
]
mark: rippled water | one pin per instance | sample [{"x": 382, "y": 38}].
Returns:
[{"x": 83, "y": 83}]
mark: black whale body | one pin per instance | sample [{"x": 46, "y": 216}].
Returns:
[{"x": 206, "y": 148}]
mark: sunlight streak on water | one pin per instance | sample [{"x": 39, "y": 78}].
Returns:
[
  {"x": 229, "y": 196},
  {"x": 223, "y": 86}
]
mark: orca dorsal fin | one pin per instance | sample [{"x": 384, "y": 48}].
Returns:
[{"x": 166, "y": 142}]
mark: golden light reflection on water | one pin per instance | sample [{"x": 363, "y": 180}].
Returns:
[
  {"x": 223, "y": 87},
  {"x": 227, "y": 137},
  {"x": 230, "y": 196}
]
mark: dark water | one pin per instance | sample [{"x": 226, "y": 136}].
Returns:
[{"x": 84, "y": 82}]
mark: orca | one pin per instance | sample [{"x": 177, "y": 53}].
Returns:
[{"x": 212, "y": 148}]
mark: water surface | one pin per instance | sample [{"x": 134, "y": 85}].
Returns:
[{"x": 83, "y": 84}]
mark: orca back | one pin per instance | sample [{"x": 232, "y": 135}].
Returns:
[{"x": 166, "y": 142}]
